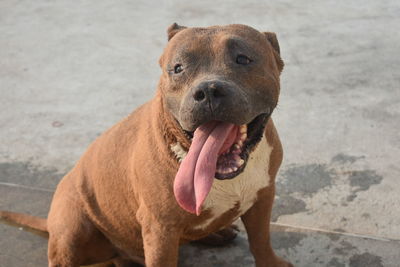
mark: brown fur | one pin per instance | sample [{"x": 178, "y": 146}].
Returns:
[{"x": 118, "y": 201}]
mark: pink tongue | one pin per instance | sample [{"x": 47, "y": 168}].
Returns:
[{"x": 196, "y": 173}]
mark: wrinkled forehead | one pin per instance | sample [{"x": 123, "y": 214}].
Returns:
[{"x": 215, "y": 39}]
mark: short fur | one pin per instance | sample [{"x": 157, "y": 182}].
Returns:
[{"x": 118, "y": 201}]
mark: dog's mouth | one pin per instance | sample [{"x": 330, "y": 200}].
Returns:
[
  {"x": 233, "y": 156},
  {"x": 218, "y": 149}
]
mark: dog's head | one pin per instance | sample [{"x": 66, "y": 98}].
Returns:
[{"x": 226, "y": 77}]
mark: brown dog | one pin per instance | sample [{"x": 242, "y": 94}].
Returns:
[{"x": 201, "y": 154}]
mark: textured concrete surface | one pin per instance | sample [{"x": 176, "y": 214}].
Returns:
[{"x": 71, "y": 69}]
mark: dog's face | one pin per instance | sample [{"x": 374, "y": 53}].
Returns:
[{"x": 221, "y": 73}]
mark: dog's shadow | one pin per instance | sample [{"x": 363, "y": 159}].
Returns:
[{"x": 236, "y": 253}]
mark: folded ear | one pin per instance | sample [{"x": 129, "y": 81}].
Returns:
[
  {"x": 271, "y": 37},
  {"x": 174, "y": 29}
]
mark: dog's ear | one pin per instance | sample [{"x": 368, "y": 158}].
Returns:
[
  {"x": 174, "y": 29},
  {"x": 271, "y": 37},
  {"x": 273, "y": 40}
]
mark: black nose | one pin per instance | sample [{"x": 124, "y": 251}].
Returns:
[{"x": 209, "y": 91}]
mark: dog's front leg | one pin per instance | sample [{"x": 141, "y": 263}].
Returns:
[
  {"x": 256, "y": 221},
  {"x": 161, "y": 244}
]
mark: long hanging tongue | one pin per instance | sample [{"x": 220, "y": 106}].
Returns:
[{"x": 196, "y": 173}]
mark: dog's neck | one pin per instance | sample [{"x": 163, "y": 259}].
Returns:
[{"x": 178, "y": 144}]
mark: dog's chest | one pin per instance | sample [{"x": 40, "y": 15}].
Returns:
[{"x": 239, "y": 193}]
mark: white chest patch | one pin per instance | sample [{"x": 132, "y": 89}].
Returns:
[{"x": 242, "y": 190}]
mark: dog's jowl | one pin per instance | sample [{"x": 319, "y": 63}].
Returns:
[{"x": 183, "y": 166}]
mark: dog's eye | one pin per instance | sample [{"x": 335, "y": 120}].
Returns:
[
  {"x": 178, "y": 68},
  {"x": 243, "y": 60}
]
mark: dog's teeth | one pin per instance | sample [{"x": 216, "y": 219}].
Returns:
[
  {"x": 236, "y": 157},
  {"x": 240, "y": 162},
  {"x": 236, "y": 146},
  {"x": 234, "y": 168},
  {"x": 243, "y": 129},
  {"x": 243, "y": 137},
  {"x": 240, "y": 143}
]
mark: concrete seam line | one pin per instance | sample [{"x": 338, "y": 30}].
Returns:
[
  {"x": 311, "y": 229},
  {"x": 27, "y": 187}
]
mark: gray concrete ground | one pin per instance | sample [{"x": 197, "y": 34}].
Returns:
[{"x": 71, "y": 69}]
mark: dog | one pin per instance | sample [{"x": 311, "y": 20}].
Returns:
[{"x": 188, "y": 163}]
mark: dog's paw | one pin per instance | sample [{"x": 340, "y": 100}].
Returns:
[
  {"x": 119, "y": 262},
  {"x": 220, "y": 238}
]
